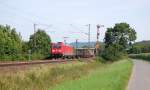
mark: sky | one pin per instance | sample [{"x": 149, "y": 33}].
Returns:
[{"x": 69, "y": 18}]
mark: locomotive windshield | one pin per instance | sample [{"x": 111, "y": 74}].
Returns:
[{"x": 56, "y": 46}]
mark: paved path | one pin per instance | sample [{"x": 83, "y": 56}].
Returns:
[{"x": 140, "y": 78}]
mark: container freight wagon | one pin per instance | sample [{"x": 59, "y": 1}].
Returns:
[{"x": 85, "y": 52}]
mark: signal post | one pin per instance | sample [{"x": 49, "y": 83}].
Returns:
[{"x": 97, "y": 46}]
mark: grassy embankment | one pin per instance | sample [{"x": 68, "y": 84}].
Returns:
[
  {"x": 44, "y": 77},
  {"x": 144, "y": 56},
  {"x": 72, "y": 76},
  {"x": 109, "y": 77}
]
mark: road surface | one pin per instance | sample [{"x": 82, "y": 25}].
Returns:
[{"x": 140, "y": 78}]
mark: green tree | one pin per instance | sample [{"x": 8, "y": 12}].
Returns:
[
  {"x": 25, "y": 47},
  {"x": 39, "y": 44},
  {"x": 118, "y": 39},
  {"x": 10, "y": 43}
]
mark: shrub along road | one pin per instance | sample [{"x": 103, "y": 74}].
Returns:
[{"x": 140, "y": 79}]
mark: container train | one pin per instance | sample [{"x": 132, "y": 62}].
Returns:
[{"x": 61, "y": 50}]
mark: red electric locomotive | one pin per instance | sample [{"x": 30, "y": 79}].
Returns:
[{"x": 62, "y": 50}]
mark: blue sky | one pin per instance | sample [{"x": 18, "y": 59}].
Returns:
[{"x": 66, "y": 17}]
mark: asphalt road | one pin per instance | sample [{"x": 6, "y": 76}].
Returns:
[{"x": 140, "y": 78}]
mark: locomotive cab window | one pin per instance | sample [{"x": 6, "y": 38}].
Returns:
[{"x": 56, "y": 46}]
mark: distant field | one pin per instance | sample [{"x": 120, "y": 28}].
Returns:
[
  {"x": 144, "y": 56},
  {"x": 109, "y": 77}
]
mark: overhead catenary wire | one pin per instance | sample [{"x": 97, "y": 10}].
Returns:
[
  {"x": 25, "y": 15},
  {"x": 88, "y": 34}
]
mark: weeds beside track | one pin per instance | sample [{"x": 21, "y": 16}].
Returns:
[
  {"x": 58, "y": 77},
  {"x": 44, "y": 77}
]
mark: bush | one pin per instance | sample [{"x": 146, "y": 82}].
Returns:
[
  {"x": 134, "y": 50},
  {"x": 17, "y": 57},
  {"x": 100, "y": 59},
  {"x": 23, "y": 57},
  {"x": 143, "y": 56},
  {"x": 37, "y": 56},
  {"x": 5, "y": 58},
  {"x": 112, "y": 54}
]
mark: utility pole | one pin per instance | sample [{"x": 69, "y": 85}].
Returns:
[
  {"x": 34, "y": 25},
  {"x": 76, "y": 45},
  {"x": 65, "y": 40},
  {"x": 89, "y": 35}
]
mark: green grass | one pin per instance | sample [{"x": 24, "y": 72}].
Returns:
[
  {"x": 144, "y": 56},
  {"x": 70, "y": 76},
  {"x": 44, "y": 77},
  {"x": 109, "y": 77}
]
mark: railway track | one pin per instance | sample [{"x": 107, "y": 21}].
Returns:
[
  {"x": 16, "y": 66},
  {"x": 9, "y": 64},
  {"x": 19, "y": 63}
]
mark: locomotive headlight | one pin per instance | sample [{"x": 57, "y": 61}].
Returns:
[
  {"x": 59, "y": 50},
  {"x": 53, "y": 50}
]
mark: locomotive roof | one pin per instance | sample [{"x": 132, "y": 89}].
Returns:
[
  {"x": 85, "y": 48},
  {"x": 61, "y": 43}
]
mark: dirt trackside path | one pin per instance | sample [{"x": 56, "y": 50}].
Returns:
[{"x": 140, "y": 79}]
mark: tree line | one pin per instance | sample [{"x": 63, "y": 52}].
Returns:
[
  {"x": 12, "y": 47},
  {"x": 140, "y": 47},
  {"x": 118, "y": 42}
]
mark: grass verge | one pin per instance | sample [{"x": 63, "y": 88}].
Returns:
[
  {"x": 109, "y": 77},
  {"x": 44, "y": 77},
  {"x": 144, "y": 56},
  {"x": 70, "y": 76}
]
